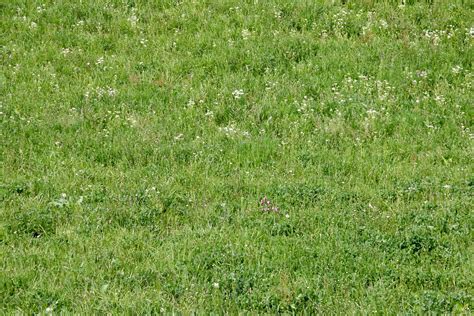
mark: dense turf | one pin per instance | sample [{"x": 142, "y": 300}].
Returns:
[{"x": 139, "y": 139}]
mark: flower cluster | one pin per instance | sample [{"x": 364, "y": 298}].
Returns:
[
  {"x": 231, "y": 130},
  {"x": 267, "y": 206},
  {"x": 246, "y": 34},
  {"x": 133, "y": 19},
  {"x": 238, "y": 93},
  {"x": 100, "y": 92}
]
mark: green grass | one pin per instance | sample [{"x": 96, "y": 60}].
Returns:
[{"x": 138, "y": 138}]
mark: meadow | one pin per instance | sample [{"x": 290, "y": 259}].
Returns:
[{"x": 255, "y": 157}]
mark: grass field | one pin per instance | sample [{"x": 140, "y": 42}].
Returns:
[{"x": 232, "y": 156}]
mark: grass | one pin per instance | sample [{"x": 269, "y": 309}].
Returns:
[{"x": 138, "y": 138}]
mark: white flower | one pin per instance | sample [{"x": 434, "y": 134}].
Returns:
[
  {"x": 111, "y": 92},
  {"x": 65, "y": 51},
  {"x": 215, "y": 285},
  {"x": 238, "y": 93},
  {"x": 471, "y": 32},
  {"x": 33, "y": 25},
  {"x": 456, "y": 69},
  {"x": 372, "y": 112},
  {"x": 287, "y": 215},
  {"x": 246, "y": 34},
  {"x": 100, "y": 92},
  {"x": 62, "y": 201},
  {"x": 439, "y": 99},
  {"x": 422, "y": 73},
  {"x": 209, "y": 114},
  {"x": 99, "y": 61},
  {"x": 229, "y": 130},
  {"x": 133, "y": 20}
]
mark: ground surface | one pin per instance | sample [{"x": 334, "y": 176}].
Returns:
[{"x": 139, "y": 138}]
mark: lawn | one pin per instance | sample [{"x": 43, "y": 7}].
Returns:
[{"x": 236, "y": 156}]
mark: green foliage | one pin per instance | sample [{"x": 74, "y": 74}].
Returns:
[{"x": 140, "y": 137}]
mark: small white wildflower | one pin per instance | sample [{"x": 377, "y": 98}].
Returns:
[
  {"x": 229, "y": 130},
  {"x": 143, "y": 41},
  {"x": 287, "y": 215},
  {"x": 383, "y": 24},
  {"x": 434, "y": 36},
  {"x": 133, "y": 19},
  {"x": 209, "y": 114},
  {"x": 65, "y": 51},
  {"x": 99, "y": 61},
  {"x": 456, "y": 69},
  {"x": 191, "y": 103},
  {"x": 471, "y": 32},
  {"x": 62, "y": 201},
  {"x": 372, "y": 112},
  {"x": 100, "y": 92},
  {"x": 238, "y": 93},
  {"x": 412, "y": 188},
  {"x": 270, "y": 85},
  {"x": 33, "y": 25},
  {"x": 215, "y": 285},
  {"x": 439, "y": 99},
  {"x": 422, "y": 73},
  {"x": 132, "y": 120},
  {"x": 111, "y": 92},
  {"x": 246, "y": 34}
]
